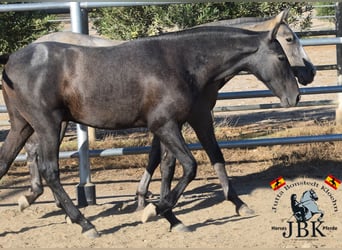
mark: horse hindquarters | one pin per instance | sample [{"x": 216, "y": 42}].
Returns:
[
  {"x": 19, "y": 132},
  {"x": 153, "y": 162}
]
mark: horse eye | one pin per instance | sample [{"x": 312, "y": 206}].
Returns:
[
  {"x": 281, "y": 57},
  {"x": 289, "y": 39}
]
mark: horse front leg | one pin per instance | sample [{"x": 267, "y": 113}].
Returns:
[
  {"x": 202, "y": 123},
  {"x": 153, "y": 162},
  {"x": 174, "y": 142}
]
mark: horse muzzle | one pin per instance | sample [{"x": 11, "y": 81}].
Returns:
[
  {"x": 305, "y": 74},
  {"x": 287, "y": 102}
]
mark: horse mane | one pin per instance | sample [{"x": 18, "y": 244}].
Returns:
[
  {"x": 244, "y": 20},
  {"x": 199, "y": 29}
]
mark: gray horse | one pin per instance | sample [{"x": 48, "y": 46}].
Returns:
[
  {"x": 299, "y": 61},
  {"x": 153, "y": 82}
]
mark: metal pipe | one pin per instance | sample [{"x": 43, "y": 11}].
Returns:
[
  {"x": 321, "y": 41},
  {"x": 231, "y": 108},
  {"x": 247, "y": 143},
  {"x": 268, "y": 93},
  {"x": 82, "y": 134},
  {"x": 85, "y": 190},
  {"x": 33, "y": 6},
  {"x": 66, "y": 5}
]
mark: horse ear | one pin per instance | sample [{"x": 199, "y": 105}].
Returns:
[
  {"x": 284, "y": 15},
  {"x": 278, "y": 20}
]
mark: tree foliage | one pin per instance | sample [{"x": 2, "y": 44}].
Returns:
[
  {"x": 18, "y": 29},
  {"x": 132, "y": 22}
]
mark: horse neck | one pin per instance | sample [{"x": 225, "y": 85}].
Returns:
[
  {"x": 211, "y": 57},
  {"x": 306, "y": 197}
]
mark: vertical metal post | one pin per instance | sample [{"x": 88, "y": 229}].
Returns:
[
  {"x": 339, "y": 60},
  {"x": 85, "y": 189}
]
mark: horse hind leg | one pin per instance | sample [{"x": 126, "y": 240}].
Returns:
[
  {"x": 153, "y": 162},
  {"x": 36, "y": 188},
  {"x": 171, "y": 137},
  {"x": 48, "y": 130}
]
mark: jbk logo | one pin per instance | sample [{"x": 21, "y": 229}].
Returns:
[{"x": 303, "y": 213}]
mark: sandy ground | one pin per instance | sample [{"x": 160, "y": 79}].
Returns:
[{"x": 213, "y": 221}]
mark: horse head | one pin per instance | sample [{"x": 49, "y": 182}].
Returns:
[
  {"x": 272, "y": 67},
  {"x": 313, "y": 195},
  {"x": 301, "y": 65}
]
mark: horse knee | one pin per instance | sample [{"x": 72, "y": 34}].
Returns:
[{"x": 190, "y": 171}]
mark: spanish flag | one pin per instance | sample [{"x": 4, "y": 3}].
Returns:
[
  {"x": 332, "y": 181},
  {"x": 277, "y": 183}
]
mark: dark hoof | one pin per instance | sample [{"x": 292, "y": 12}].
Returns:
[
  {"x": 150, "y": 211},
  {"x": 180, "y": 228},
  {"x": 91, "y": 234},
  {"x": 245, "y": 211}
]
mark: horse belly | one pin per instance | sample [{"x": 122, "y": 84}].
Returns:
[{"x": 109, "y": 115}]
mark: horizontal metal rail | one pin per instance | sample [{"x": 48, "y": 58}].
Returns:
[
  {"x": 248, "y": 143},
  {"x": 17, "y": 7},
  {"x": 268, "y": 93},
  {"x": 245, "y": 107}
]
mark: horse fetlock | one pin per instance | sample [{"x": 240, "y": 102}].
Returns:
[
  {"x": 150, "y": 211},
  {"x": 23, "y": 203}
]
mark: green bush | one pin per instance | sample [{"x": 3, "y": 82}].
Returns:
[
  {"x": 18, "y": 29},
  {"x": 325, "y": 11},
  {"x": 132, "y": 22}
]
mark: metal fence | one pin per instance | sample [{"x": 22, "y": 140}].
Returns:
[{"x": 83, "y": 153}]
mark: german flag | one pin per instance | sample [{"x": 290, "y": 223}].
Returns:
[
  {"x": 332, "y": 181},
  {"x": 277, "y": 183}
]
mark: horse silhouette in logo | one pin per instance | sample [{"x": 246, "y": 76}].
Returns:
[{"x": 307, "y": 207}]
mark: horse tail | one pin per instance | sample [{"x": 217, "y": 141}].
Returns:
[{"x": 4, "y": 58}]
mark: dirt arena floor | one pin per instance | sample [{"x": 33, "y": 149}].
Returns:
[{"x": 213, "y": 221}]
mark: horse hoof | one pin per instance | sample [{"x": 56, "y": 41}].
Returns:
[
  {"x": 91, "y": 234},
  {"x": 180, "y": 228},
  {"x": 140, "y": 204},
  {"x": 23, "y": 203},
  {"x": 244, "y": 210},
  {"x": 139, "y": 207},
  {"x": 149, "y": 212}
]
